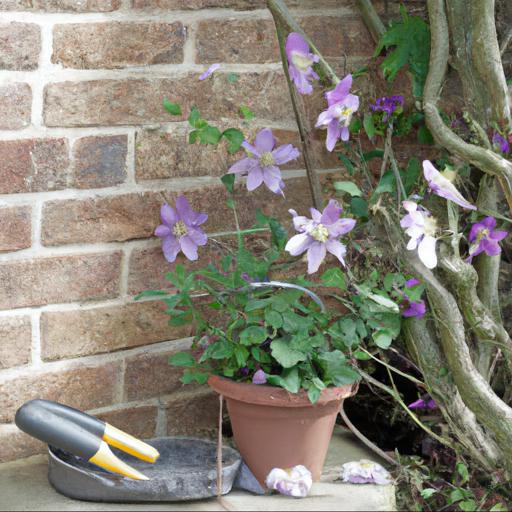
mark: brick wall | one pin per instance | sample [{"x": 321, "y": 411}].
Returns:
[{"x": 87, "y": 155}]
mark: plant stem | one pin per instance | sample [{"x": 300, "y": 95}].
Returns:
[
  {"x": 371, "y": 19},
  {"x": 243, "y": 231}
]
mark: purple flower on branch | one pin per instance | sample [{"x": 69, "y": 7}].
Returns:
[
  {"x": 413, "y": 308},
  {"x": 209, "y": 71},
  {"x": 500, "y": 143},
  {"x": 262, "y": 162},
  {"x": 337, "y": 117},
  {"x": 388, "y": 105},
  {"x": 180, "y": 230},
  {"x": 421, "y": 227},
  {"x": 423, "y": 404},
  {"x": 443, "y": 187},
  {"x": 259, "y": 377},
  {"x": 320, "y": 234},
  {"x": 484, "y": 238},
  {"x": 300, "y": 62}
]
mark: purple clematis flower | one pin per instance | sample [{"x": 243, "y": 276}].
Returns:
[
  {"x": 209, "y": 71},
  {"x": 295, "y": 482},
  {"x": 484, "y": 238},
  {"x": 320, "y": 234},
  {"x": 423, "y": 404},
  {"x": 443, "y": 187},
  {"x": 421, "y": 227},
  {"x": 413, "y": 308},
  {"x": 300, "y": 62},
  {"x": 500, "y": 143},
  {"x": 337, "y": 117},
  {"x": 180, "y": 230},
  {"x": 259, "y": 377},
  {"x": 388, "y": 105},
  {"x": 262, "y": 162},
  {"x": 365, "y": 472}
]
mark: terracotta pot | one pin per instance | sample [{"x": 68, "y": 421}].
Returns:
[{"x": 275, "y": 428}]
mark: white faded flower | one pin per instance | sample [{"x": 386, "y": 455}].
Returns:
[
  {"x": 365, "y": 472},
  {"x": 296, "y": 481}
]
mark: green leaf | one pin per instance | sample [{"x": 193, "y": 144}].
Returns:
[
  {"x": 355, "y": 123},
  {"x": 288, "y": 380},
  {"x": 182, "y": 359},
  {"x": 499, "y": 507},
  {"x": 273, "y": 318},
  {"x": 235, "y": 139},
  {"x": 468, "y": 505},
  {"x": 424, "y": 135},
  {"x": 284, "y": 354},
  {"x": 233, "y": 78},
  {"x": 210, "y": 135},
  {"x": 336, "y": 369},
  {"x": 345, "y": 331},
  {"x": 241, "y": 355},
  {"x": 387, "y": 183},
  {"x": 345, "y": 160},
  {"x": 193, "y": 136},
  {"x": 194, "y": 376},
  {"x": 173, "y": 108},
  {"x": 428, "y": 493},
  {"x": 255, "y": 304},
  {"x": 246, "y": 112},
  {"x": 279, "y": 233},
  {"x": 361, "y": 356},
  {"x": 151, "y": 293},
  {"x": 411, "y": 39},
  {"x": 314, "y": 394},
  {"x": 359, "y": 207},
  {"x": 463, "y": 472},
  {"x": 411, "y": 175},
  {"x": 228, "y": 180},
  {"x": 369, "y": 126},
  {"x": 334, "y": 278},
  {"x": 349, "y": 187},
  {"x": 194, "y": 117},
  {"x": 253, "y": 335},
  {"x": 458, "y": 495},
  {"x": 219, "y": 350},
  {"x": 370, "y": 155},
  {"x": 383, "y": 338}
]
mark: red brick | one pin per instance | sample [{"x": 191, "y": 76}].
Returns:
[
  {"x": 60, "y": 5},
  {"x": 59, "y": 279},
  {"x": 107, "y": 329},
  {"x": 193, "y": 414},
  {"x": 16, "y": 232},
  {"x": 139, "y": 422},
  {"x": 117, "y": 44},
  {"x": 15, "y": 444},
  {"x": 139, "y": 101},
  {"x": 197, "y": 4},
  {"x": 33, "y": 165},
  {"x": 16, "y": 336},
  {"x": 15, "y": 106},
  {"x": 20, "y": 45},
  {"x": 99, "y": 161},
  {"x": 83, "y": 387},
  {"x": 160, "y": 155},
  {"x": 150, "y": 375},
  {"x": 132, "y": 216},
  {"x": 244, "y": 41}
]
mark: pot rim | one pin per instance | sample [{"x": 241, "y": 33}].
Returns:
[{"x": 260, "y": 394}]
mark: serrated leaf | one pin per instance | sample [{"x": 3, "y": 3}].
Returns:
[
  {"x": 334, "y": 278},
  {"x": 349, "y": 187},
  {"x": 194, "y": 376},
  {"x": 235, "y": 139},
  {"x": 173, "y": 108},
  {"x": 285, "y": 355},
  {"x": 182, "y": 359},
  {"x": 210, "y": 135}
]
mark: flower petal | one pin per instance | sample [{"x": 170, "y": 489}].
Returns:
[
  {"x": 198, "y": 236},
  {"x": 265, "y": 141},
  {"x": 331, "y": 213},
  {"x": 340, "y": 91},
  {"x": 254, "y": 178},
  {"x": 427, "y": 252},
  {"x": 298, "y": 244},
  {"x": 341, "y": 227},
  {"x": 337, "y": 249},
  {"x": 243, "y": 166},
  {"x": 170, "y": 248},
  {"x": 185, "y": 212},
  {"x": 162, "y": 231},
  {"x": 189, "y": 247},
  {"x": 285, "y": 153},
  {"x": 209, "y": 71},
  {"x": 168, "y": 215},
  {"x": 324, "y": 118},
  {"x": 333, "y": 134},
  {"x": 316, "y": 255},
  {"x": 272, "y": 178}
]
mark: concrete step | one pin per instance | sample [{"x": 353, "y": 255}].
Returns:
[{"x": 24, "y": 486}]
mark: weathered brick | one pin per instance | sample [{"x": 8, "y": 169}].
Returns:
[
  {"x": 133, "y": 216},
  {"x": 15, "y": 444},
  {"x": 117, "y": 44},
  {"x": 16, "y": 336},
  {"x": 59, "y": 279},
  {"x": 99, "y": 161},
  {"x": 136, "y": 421},
  {"x": 139, "y": 101},
  {"x": 168, "y": 154},
  {"x": 20, "y": 45},
  {"x": 244, "y": 41},
  {"x": 60, "y": 5},
  {"x": 83, "y": 387},
  {"x": 107, "y": 329},
  {"x": 16, "y": 232},
  {"x": 193, "y": 414},
  {"x": 33, "y": 165},
  {"x": 197, "y": 4},
  {"x": 15, "y": 106},
  {"x": 150, "y": 375}
]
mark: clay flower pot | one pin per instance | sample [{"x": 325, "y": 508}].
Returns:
[{"x": 275, "y": 428}]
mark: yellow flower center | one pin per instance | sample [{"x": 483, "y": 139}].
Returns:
[
  {"x": 179, "y": 229},
  {"x": 449, "y": 174},
  {"x": 267, "y": 159},
  {"x": 482, "y": 233},
  {"x": 301, "y": 62},
  {"x": 320, "y": 233},
  {"x": 344, "y": 114},
  {"x": 430, "y": 226}
]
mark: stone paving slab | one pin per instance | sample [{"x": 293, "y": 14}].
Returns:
[{"x": 24, "y": 486}]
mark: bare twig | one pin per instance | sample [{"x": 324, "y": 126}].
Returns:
[{"x": 371, "y": 19}]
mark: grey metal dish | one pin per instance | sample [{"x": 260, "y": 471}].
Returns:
[{"x": 186, "y": 470}]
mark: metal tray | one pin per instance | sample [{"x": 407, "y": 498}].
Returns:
[{"x": 186, "y": 470}]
